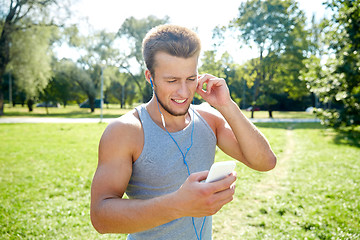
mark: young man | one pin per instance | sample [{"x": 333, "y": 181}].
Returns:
[{"x": 160, "y": 152}]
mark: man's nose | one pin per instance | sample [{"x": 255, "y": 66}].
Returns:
[{"x": 183, "y": 90}]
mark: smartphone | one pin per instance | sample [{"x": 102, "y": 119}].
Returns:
[{"x": 220, "y": 170}]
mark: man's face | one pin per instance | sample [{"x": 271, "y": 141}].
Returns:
[{"x": 175, "y": 82}]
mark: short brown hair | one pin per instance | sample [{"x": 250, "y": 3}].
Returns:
[{"x": 172, "y": 39}]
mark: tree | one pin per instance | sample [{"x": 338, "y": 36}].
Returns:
[
  {"x": 118, "y": 81},
  {"x": 84, "y": 81},
  {"x": 276, "y": 27},
  {"x": 134, "y": 30},
  {"x": 224, "y": 68},
  {"x": 21, "y": 15},
  {"x": 62, "y": 87},
  {"x": 31, "y": 61},
  {"x": 101, "y": 54},
  {"x": 209, "y": 64},
  {"x": 338, "y": 82}
]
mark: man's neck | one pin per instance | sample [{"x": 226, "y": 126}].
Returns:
[{"x": 172, "y": 123}]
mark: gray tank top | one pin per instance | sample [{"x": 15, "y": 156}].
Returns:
[{"x": 160, "y": 170}]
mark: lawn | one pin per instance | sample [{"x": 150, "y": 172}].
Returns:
[{"x": 46, "y": 172}]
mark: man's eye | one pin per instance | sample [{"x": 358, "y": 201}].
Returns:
[
  {"x": 171, "y": 81},
  {"x": 192, "y": 79}
]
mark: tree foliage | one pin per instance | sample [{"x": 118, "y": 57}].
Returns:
[
  {"x": 31, "y": 61},
  {"x": 278, "y": 30},
  {"x": 18, "y": 18},
  {"x": 337, "y": 83},
  {"x": 226, "y": 68},
  {"x": 134, "y": 30}
]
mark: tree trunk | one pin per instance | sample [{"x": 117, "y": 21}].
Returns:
[
  {"x": 92, "y": 103},
  {"x": 122, "y": 95},
  {"x": 5, "y": 37},
  {"x": 30, "y": 104},
  {"x": 258, "y": 80},
  {"x": 4, "y": 60},
  {"x": 270, "y": 113},
  {"x": 1, "y": 102}
]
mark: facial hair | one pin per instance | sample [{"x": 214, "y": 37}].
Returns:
[{"x": 166, "y": 108}]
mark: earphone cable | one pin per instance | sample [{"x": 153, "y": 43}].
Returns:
[{"x": 184, "y": 157}]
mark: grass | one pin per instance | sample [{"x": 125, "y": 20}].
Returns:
[
  {"x": 113, "y": 111},
  {"x": 312, "y": 194},
  {"x": 46, "y": 172}
]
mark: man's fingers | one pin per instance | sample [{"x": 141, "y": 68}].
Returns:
[
  {"x": 225, "y": 183},
  {"x": 198, "y": 176},
  {"x": 210, "y": 81}
]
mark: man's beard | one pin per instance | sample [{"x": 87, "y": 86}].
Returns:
[{"x": 168, "y": 109}]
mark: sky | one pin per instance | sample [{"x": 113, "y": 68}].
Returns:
[{"x": 202, "y": 15}]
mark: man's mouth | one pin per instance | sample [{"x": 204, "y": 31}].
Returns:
[{"x": 179, "y": 100}]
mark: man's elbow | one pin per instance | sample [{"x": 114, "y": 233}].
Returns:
[
  {"x": 270, "y": 162},
  {"x": 103, "y": 225},
  {"x": 96, "y": 222}
]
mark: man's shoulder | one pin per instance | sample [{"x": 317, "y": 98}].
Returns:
[
  {"x": 209, "y": 114},
  {"x": 207, "y": 111},
  {"x": 129, "y": 119},
  {"x": 128, "y": 125}
]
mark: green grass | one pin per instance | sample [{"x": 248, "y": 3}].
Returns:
[
  {"x": 46, "y": 172},
  {"x": 113, "y": 111},
  {"x": 312, "y": 194},
  {"x": 45, "y": 177}
]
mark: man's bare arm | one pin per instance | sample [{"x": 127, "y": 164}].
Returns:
[{"x": 236, "y": 135}]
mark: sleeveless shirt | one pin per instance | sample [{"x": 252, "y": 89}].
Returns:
[{"x": 160, "y": 170}]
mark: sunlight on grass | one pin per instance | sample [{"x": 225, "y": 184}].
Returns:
[
  {"x": 46, "y": 172},
  {"x": 315, "y": 195}
]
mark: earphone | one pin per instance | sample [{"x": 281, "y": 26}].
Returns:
[
  {"x": 183, "y": 155},
  {"x": 152, "y": 85},
  {"x": 162, "y": 116}
]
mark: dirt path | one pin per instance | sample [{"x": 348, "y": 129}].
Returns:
[
  {"x": 275, "y": 180},
  {"x": 244, "y": 221}
]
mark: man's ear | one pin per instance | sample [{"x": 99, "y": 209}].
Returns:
[{"x": 148, "y": 76}]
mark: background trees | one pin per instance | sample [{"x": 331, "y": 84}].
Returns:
[
  {"x": 30, "y": 61},
  {"x": 22, "y": 24},
  {"x": 298, "y": 65},
  {"x": 277, "y": 28},
  {"x": 134, "y": 30},
  {"x": 337, "y": 82}
]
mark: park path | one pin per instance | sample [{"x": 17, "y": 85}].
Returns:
[
  {"x": 52, "y": 120},
  {"x": 107, "y": 120},
  {"x": 275, "y": 180},
  {"x": 251, "y": 206}
]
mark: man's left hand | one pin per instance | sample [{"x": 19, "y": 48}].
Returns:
[{"x": 216, "y": 92}]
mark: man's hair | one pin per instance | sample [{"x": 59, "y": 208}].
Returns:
[{"x": 172, "y": 39}]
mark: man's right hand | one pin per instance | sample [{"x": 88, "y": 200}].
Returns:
[{"x": 198, "y": 199}]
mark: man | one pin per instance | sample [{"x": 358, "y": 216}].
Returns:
[{"x": 160, "y": 152}]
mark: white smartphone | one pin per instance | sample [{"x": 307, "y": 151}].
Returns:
[{"x": 220, "y": 170}]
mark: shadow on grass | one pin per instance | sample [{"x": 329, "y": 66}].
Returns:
[
  {"x": 290, "y": 125},
  {"x": 348, "y": 137}
]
